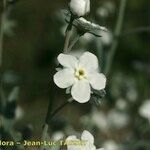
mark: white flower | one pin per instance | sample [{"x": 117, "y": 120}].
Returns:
[
  {"x": 144, "y": 110},
  {"x": 57, "y": 136},
  {"x": 111, "y": 145},
  {"x": 80, "y": 74},
  {"x": 121, "y": 104},
  {"x": 113, "y": 119},
  {"x": 87, "y": 142},
  {"x": 117, "y": 119},
  {"x": 100, "y": 120},
  {"x": 79, "y": 7}
]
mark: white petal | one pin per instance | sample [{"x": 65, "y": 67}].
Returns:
[
  {"x": 89, "y": 61},
  {"x": 73, "y": 147},
  {"x": 87, "y": 136},
  {"x": 78, "y": 7},
  {"x": 64, "y": 78},
  {"x": 97, "y": 81},
  {"x": 87, "y": 7},
  {"x": 81, "y": 91},
  {"x": 100, "y": 149},
  {"x": 67, "y": 60},
  {"x": 71, "y": 137}
]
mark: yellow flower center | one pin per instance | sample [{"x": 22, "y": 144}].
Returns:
[{"x": 80, "y": 74}]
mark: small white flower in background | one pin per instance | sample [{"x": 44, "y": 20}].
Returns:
[
  {"x": 100, "y": 120},
  {"x": 144, "y": 110},
  {"x": 96, "y": 119},
  {"x": 8, "y": 26},
  {"x": 106, "y": 37},
  {"x": 106, "y": 9},
  {"x": 117, "y": 119},
  {"x": 79, "y": 7},
  {"x": 121, "y": 104},
  {"x": 102, "y": 12},
  {"x": 132, "y": 94},
  {"x": 58, "y": 136},
  {"x": 106, "y": 121},
  {"x": 19, "y": 113},
  {"x": 80, "y": 74},
  {"x": 87, "y": 139},
  {"x": 111, "y": 145},
  {"x": 86, "y": 38}
]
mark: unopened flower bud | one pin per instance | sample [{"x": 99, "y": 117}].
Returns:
[{"x": 79, "y": 7}]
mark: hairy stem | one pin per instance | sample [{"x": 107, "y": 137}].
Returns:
[{"x": 117, "y": 32}]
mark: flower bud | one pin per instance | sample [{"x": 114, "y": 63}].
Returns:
[{"x": 79, "y": 7}]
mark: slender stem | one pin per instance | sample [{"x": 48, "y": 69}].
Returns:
[
  {"x": 117, "y": 32},
  {"x": 68, "y": 34},
  {"x": 100, "y": 52},
  {"x": 44, "y": 134},
  {"x": 58, "y": 109},
  {"x": 49, "y": 118},
  {"x": 74, "y": 42},
  {"x": 50, "y": 115}
]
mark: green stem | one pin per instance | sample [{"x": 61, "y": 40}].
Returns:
[
  {"x": 50, "y": 115},
  {"x": 117, "y": 32},
  {"x": 68, "y": 34},
  {"x": 48, "y": 119},
  {"x": 44, "y": 134},
  {"x": 100, "y": 53},
  {"x": 58, "y": 109},
  {"x": 74, "y": 42}
]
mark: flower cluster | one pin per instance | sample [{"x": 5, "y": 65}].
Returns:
[{"x": 80, "y": 75}]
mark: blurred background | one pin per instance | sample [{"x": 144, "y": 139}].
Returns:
[{"x": 34, "y": 36}]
